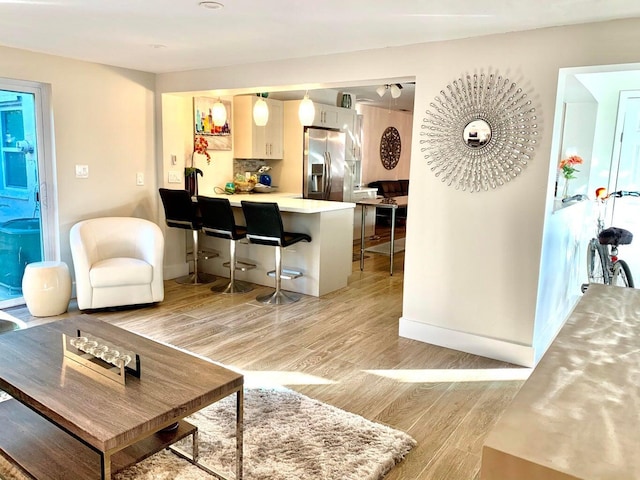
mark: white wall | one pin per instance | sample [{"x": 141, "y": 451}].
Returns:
[
  {"x": 104, "y": 117},
  {"x": 175, "y": 138},
  {"x": 492, "y": 295},
  {"x": 578, "y": 128},
  {"x": 375, "y": 121},
  {"x": 606, "y": 88}
]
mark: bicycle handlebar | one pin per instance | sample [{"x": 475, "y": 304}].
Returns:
[
  {"x": 579, "y": 197},
  {"x": 620, "y": 193},
  {"x": 624, "y": 193}
]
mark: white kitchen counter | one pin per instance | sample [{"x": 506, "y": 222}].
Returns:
[
  {"x": 365, "y": 190},
  {"x": 287, "y": 202},
  {"x": 326, "y": 262}
]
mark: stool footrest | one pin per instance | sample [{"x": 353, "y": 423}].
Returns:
[
  {"x": 286, "y": 274},
  {"x": 207, "y": 254},
  {"x": 202, "y": 255},
  {"x": 241, "y": 266}
]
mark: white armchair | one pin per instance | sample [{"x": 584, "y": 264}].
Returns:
[{"x": 117, "y": 261}]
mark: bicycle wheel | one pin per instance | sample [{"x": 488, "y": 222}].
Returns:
[
  {"x": 597, "y": 258},
  {"x": 622, "y": 274}
]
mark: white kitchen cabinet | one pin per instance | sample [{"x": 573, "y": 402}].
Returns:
[
  {"x": 344, "y": 119},
  {"x": 327, "y": 116},
  {"x": 252, "y": 141},
  {"x": 350, "y": 125}
]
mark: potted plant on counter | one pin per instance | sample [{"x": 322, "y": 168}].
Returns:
[{"x": 191, "y": 173}]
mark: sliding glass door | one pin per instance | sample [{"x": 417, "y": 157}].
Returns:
[{"x": 26, "y": 230}]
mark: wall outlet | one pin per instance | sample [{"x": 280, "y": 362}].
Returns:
[
  {"x": 174, "y": 176},
  {"x": 139, "y": 178},
  {"x": 82, "y": 171}
]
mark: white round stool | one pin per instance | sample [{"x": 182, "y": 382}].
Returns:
[{"x": 46, "y": 287}]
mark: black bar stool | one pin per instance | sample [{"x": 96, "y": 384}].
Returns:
[
  {"x": 181, "y": 212},
  {"x": 218, "y": 221},
  {"x": 264, "y": 227}
]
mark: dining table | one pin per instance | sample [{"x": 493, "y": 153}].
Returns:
[{"x": 391, "y": 203}]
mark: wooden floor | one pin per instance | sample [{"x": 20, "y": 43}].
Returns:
[{"x": 343, "y": 349}]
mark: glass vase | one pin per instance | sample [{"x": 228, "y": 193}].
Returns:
[{"x": 565, "y": 188}]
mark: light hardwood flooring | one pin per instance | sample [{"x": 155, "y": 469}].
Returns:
[{"x": 343, "y": 349}]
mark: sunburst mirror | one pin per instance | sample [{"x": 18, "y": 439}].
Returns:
[{"x": 479, "y": 133}]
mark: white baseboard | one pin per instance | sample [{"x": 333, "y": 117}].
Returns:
[
  {"x": 466, "y": 342},
  {"x": 175, "y": 271}
]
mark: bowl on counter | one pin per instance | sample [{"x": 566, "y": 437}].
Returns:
[
  {"x": 244, "y": 187},
  {"x": 259, "y": 188}
]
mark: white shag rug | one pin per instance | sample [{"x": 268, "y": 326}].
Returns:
[{"x": 287, "y": 436}]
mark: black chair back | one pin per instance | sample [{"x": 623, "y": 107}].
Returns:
[
  {"x": 264, "y": 223},
  {"x": 179, "y": 210},
  {"x": 217, "y": 218}
]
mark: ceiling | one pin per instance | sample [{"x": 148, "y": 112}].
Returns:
[
  {"x": 175, "y": 35},
  {"x": 363, "y": 94}
]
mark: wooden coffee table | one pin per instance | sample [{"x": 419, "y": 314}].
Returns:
[{"x": 67, "y": 418}]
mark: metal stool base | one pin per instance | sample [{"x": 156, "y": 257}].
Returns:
[
  {"x": 233, "y": 287},
  {"x": 199, "y": 278},
  {"x": 279, "y": 298}
]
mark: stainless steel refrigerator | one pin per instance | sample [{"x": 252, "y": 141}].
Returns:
[{"x": 324, "y": 167}]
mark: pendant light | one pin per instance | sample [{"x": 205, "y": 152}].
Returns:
[
  {"x": 306, "y": 111},
  {"x": 219, "y": 114},
  {"x": 261, "y": 112},
  {"x": 395, "y": 90}
]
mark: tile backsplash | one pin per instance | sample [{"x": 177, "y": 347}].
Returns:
[{"x": 242, "y": 165}]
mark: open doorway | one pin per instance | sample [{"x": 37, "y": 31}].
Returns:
[
  {"x": 600, "y": 124},
  {"x": 625, "y": 174}
]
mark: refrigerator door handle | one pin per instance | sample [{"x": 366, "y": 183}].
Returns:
[
  {"x": 325, "y": 176},
  {"x": 329, "y": 176}
]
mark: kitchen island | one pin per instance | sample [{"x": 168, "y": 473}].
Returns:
[{"x": 325, "y": 262}]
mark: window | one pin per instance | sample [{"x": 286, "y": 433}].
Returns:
[{"x": 12, "y": 133}]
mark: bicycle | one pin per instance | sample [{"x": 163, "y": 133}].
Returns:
[{"x": 603, "y": 264}]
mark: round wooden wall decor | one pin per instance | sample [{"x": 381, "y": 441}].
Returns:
[
  {"x": 390, "y": 147},
  {"x": 480, "y": 132}
]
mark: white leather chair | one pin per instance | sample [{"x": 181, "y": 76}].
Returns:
[{"x": 117, "y": 261}]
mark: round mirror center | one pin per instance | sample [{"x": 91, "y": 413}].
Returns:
[{"x": 476, "y": 134}]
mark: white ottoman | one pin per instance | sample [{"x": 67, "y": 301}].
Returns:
[{"x": 46, "y": 287}]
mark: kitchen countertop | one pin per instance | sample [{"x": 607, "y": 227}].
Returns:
[
  {"x": 287, "y": 202},
  {"x": 365, "y": 189}
]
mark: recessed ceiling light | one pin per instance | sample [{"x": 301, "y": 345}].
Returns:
[
  {"x": 211, "y": 5},
  {"x": 157, "y": 46}
]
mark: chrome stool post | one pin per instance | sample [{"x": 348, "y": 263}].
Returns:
[
  {"x": 181, "y": 212},
  {"x": 218, "y": 221}
]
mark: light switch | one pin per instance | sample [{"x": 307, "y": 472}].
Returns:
[
  {"x": 139, "y": 178},
  {"x": 174, "y": 176},
  {"x": 174, "y": 160},
  {"x": 82, "y": 171}
]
